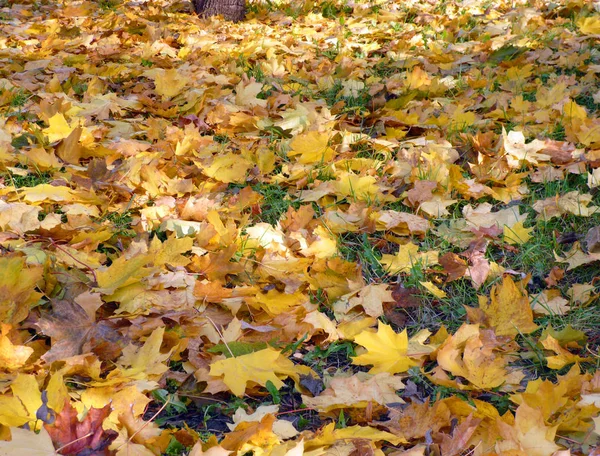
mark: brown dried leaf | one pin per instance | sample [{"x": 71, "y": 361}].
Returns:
[{"x": 73, "y": 332}]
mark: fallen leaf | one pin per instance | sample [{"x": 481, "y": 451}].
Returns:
[
  {"x": 258, "y": 367},
  {"x": 73, "y": 436},
  {"x": 517, "y": 234},
  {"x": 562, "y": 356},
  {"x": 508, "y": 310},
  {"x": 408, "y": 256},
  {"x": 528, "y": 434},
  {"x": 12, "y": 356},
  {"x": 387, "y": 351},
  {"x": 28, "y": 443},
  {"x": 73, "y": 332},
  {"x": 357, "y": 391},
  {"x": 471, "y": 353}
]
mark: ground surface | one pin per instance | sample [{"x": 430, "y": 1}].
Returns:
[{"x": 358, "y": 227}]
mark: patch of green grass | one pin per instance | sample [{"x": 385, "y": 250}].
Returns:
[
  {"x": 537, "y": 255},
  {"x": 29, "y": 180},
  {"x": 385, "y": 68},
  {"x": 530, "y": 96},
  {"x": 80, "y": 88},
  {"x": 570, "y": 183},
  {"x": 357, "y": 247},
  {"x": 433, "y": 312},
  {"x": 358, "y": 102},
  {"x": 252, "y": 70},
  {"x": 174, "y": 404},
  {"x": 582, "y": 318},
  {"x": 256, "y": 72},
  {"x": 558, "y": 133},
  {"x": 331, "y": 52},
  {"x": 221, "y": 139},
  {"x": 157, "y": 232},
  {"x": 336, "y": 354},
  {"x": 121, "y": 223},
  {"x": 364, "y": 150},
  {"x": 18, "y": 99},
  {"x": 108, "y": 5},
  {"x": 331, "y": 10},
  {"x": 587, "y": 100},
  {"x": 175, "y": 448},
  {"x": 275, "y": 202}
]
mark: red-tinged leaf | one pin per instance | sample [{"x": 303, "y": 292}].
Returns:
[{"x": 72, "y": 437}]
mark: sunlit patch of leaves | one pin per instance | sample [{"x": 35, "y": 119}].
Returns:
[{"x": 300, "y": 187}]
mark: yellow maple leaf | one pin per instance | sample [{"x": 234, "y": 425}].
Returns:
[
  {"x": 19, "y": 217},
  {"x": 170, "y": 251},
  {"x": 417, "y": 79},
  {"x": 407, "y": 257},
  {"x": 312, "y": 148},
  {"x": 329, "y": 435},
  {"x": 370, "y": 298},
  {"x": 12, "y": 356},
  {"x": 508, "y": 310},
  {"x": 361, "y": 188},
  {"x": 17, "y": 288},
  {"x": 21, "y": 407},
  {"x": 543, "y": 395},
  {"x": 572, "y": 110},
  {"x": 577, "y": 257},
  {"x": 58, "y": 128},
  {"x": 528, "y": 435},
  {"x": 30, "y": 443},
  {"x": 127, "y": 399},
  {"x": 357, "y": 391},
  {"x": 258, "y": 367},
  {"x": 323, "y": 246},
  {"x": 42, "y": 159},
  {"x": 589, "y": 25},
  {"x": 169, "y": 83},
  {"x": 517, "y": 152},
  {"x": 466, "y": 354},
  {"x": 563, "y": 356},
  {"x": 57, "y": 392},
  {"x": 122, "y": 272},
  {"x": 228, "y": 168},
  {"x": 246, "y": 95},
  {"x": 387, "y": 351},
  {"x": 142, "y": 362},
  {"x": 47, "y": 192},
  {"x": 517, "y": 234},
  {"x": 274, "y": 302}
]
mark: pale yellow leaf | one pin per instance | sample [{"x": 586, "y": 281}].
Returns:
[{"x": 28, "y": 443}]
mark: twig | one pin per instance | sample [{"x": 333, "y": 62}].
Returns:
[
  {"x": 87, "y": 266},
  {"x": 296, "y": 411},
  {"x": 568, "y": 439},
  {"x": 220, "y": 335},
  {"x": 58, "y": 450}
]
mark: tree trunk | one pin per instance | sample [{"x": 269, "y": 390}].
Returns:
[{"x": 233, "y": 10}]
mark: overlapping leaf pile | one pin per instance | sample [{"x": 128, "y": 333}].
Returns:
[{"x": 365, "y": 227}]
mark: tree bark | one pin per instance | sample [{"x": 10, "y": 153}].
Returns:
[{"x": 233, "y": 10}]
